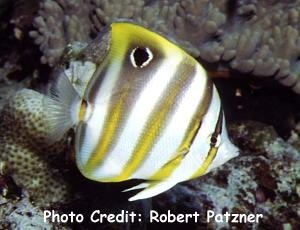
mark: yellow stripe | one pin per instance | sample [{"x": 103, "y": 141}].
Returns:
[
  {"x": 168, "y": 168},
  {"x": 211, "y": 155},
  {"x": 152, "y": 129},
  {"x": 133, "y": 34},
  {"x": 114, "y": 116},
  {"x": 139, "y": 35},
  {"x": 82, "y": 110},
  {"x": 184, "y": 148},
  {"x": 191, "y": 132},
  {"x": 109, "y": 132},
  {"x": 207, "y": 162}
]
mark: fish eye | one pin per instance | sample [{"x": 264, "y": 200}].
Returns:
[
  {"x": 141, "y": 57},
  {"x": 215, "y": 140}
]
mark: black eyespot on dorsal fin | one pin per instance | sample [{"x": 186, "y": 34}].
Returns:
[{"x": 213, "y": 140}]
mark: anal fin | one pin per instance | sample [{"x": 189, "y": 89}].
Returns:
[
  {"x": 139, "y": 186},
  {"x": 151, "y": 189}
]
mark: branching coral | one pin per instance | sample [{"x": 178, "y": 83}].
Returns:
[
  {"x": 268, "y": 42},
  {"x": 200, "y": 23},
  {"x": 105, "y": 10},
  {"x": 58, "y": 23},
  {"x": 258, "y": 37}
]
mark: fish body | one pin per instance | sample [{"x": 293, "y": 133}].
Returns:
[{"x": 149, "y": 112}]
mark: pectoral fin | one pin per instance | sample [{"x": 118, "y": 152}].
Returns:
[{"x": 61, "y": 107}]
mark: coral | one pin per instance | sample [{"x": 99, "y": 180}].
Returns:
[
  {"x": 38, "y": 169},
  {"x": 105, "y": 11},
  {"x": 18, "y": 212},
  {"x": 9, "y": 87},
  {"x": 22, "y": 215},
  {"x": 60, "y": 23},
  {"x": 200, "y": 23},
  {"x": 265, "y": 179},
  {"x": 269, "y": 42},
  {"x": 6, "y": 91},
  {"x": 294, "y": 138},
  {"x": 257, "y": 37},
  {"x": 24, "y": 152}
]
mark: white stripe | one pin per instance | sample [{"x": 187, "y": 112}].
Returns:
[
  {"x": 165, "y": 149},
  {"x": 118, "y": 157},
  {"x": 95, "y": 124},
  {"x": 201, "y": 144}
]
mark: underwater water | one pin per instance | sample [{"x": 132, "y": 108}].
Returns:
[{"x": 43, "y": 184}]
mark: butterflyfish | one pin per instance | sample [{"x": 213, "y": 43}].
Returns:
[{"x": 148, "y": 112}]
